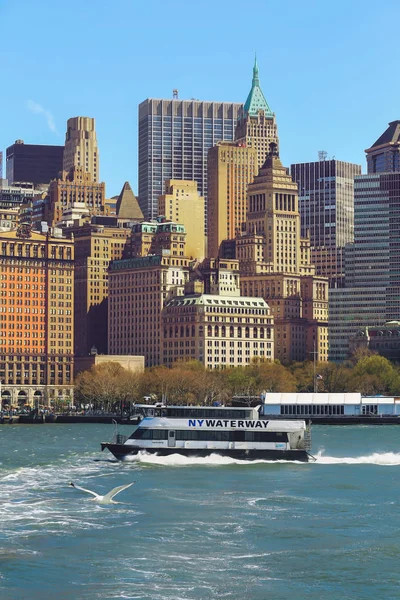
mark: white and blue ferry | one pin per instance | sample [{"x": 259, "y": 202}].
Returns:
[{"x": 242, "y": 433}]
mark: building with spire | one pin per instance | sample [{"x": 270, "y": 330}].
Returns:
[
  {"x": 256, "y": 127},
  {"x": 233, "y": 165},
  {"x": 275, "y": 265},
  {"x": 127, "y": 207}
]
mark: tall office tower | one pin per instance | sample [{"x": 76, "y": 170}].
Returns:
[
  {"x": 95, "y": 247},
  {"x": 326, "y": 203},
  {"x": 81, "y": 146},
  {"x": 1, "y": 165},
  {"x": 33, "y": 163},
  {"x": 138, "y": 289},
  {"x": 275, "y": 264},
  {"x": 36, "y": 317},
  {"x": 256, "y": 127},
  {"x": 217, "y": 326},
  {"x": 231, "y": 167},
  {"x": 75, "y": 186},
  {"x": 174, "y": 139},
  {"x": 182, "y": 204},
  {"x": 372, "y": 284}
]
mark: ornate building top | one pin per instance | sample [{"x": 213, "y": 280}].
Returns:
[{"x": 256, "y": 100}]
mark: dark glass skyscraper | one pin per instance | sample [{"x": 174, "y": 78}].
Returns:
[{"x": 174, "y": 139}]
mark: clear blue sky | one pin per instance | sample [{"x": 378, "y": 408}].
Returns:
[{"x": 329, "y": 70}]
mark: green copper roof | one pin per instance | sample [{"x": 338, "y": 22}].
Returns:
[{"x": 256, "y": 100}]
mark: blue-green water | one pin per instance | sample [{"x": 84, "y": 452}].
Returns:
[{"x": 198, "y": 529}]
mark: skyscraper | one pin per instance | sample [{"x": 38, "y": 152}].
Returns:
[
  {"x": 174, "y": 139},
  {"x": 326, "y": 204},
  {"x": 81, "y": 146},
  {"x": 372, "y": 276},
  {"x": 275, "y": 264},
  {"x": 256, "y": 127},
  {"x": 231, "y": 167},
  {"x": 33, "y": 163}
]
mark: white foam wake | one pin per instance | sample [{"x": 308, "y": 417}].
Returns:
[
  {"x": 178, "y": 460},
  {"x": 386, "y": 459}
]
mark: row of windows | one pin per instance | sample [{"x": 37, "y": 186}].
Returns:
[{"x": 211, "y": 436}]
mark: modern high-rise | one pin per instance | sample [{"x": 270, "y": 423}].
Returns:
[
  {"x": 372, "y": 263},
  {"x": 231, "y": 167},
  {"x": 81, "y": 148},
  {"x": 174, "y": 139},
  {"x": 36, "y": 317},
  {"x": 275, "y": 265},
  {"x": 326, "y": 204},
  {"x": 183, "y": 204},
  {"x": 33, "y": 163},
  {"x": 256, "y": 127}
]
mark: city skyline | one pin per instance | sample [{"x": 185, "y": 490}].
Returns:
[{"x": 301, "y": 43}]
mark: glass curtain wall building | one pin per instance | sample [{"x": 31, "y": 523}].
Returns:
[
  {"x": 326, "y": 203},
  {"x": 174, "y": 139},
  {"x": 372, "y": 264}
]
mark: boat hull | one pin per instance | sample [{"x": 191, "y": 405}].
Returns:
[{"x": 121, "y": 451}]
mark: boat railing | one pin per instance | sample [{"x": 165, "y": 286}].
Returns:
[{"x": 307, "y": 438}]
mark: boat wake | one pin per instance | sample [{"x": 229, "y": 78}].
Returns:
[
  {"x": 385, "y": 459},
  {"x": 177, "y": 460}
]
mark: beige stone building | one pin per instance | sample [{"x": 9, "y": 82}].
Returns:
[
  {"x": 182, "y": 204},
  {"x": 138, "y": 288},
  {"x": 81, "y": 147},
  {"x": 156, "y": 237},
  {"x": 73, "y": 186},
  {"x": 275, "y": 264},
  {"x": 36, "y": 317},
  {"x": 231, "y": 167},
  {"x": 95, "y": 247},
  {"x": 220, "y": 330},
  {"x": 135, "y": 364}
]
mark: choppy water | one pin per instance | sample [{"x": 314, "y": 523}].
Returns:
[{"x": 199, "y": 529}]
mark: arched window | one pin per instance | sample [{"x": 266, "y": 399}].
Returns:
[
  {"x": 187, "y": 331},
  {"x": 216, "y": 331},
  {"x": 193, "y": 331},
  {"x": 223, "y": 331},
  {"x": 231, "y": 331},
  {"x": 176, "y": 331},
  {"x": 239, "y": 334},
  {"x": 261, "y": 332},
  {"x": 170, "y": 332},
  {"x": 182, "y": 331},
  {"x": 247, "y": 332},
  {"x": 268, "y": 333},
  {"x": 209, "y": 331},
  {"x": 255, "y": 332}
]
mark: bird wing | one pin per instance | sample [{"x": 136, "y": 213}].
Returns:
[
  {"x": 116, "y": 491},
  {"x": 85, "y": 490}
]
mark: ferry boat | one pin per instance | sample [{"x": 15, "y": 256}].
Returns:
[{"x": 242, "y": 433}]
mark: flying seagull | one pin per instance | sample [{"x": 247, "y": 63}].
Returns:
[{"x": 107, "y": 498}]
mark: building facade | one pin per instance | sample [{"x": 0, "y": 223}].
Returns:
[
  {"x": 218, "y": 330},
  {"x": 182, "y": 204},
  {"x": 75, "y": 186},
  {"x": 372, "y": 293},
  {"x": 326, "y": 204},
  {"x": 36, "y": 317},
  {"x": 33, "y": 163},
  {"x": 138, "y": 289},
  {"x": 95, "y": 247},
  {"x": 275, "y": 265},
  {"x": 81, "y": 148},
  {"x": 231, "y": 167},
  {"x": 174, "y": 139}
]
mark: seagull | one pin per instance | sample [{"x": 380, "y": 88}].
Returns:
[{"x": 107, "y": 498}]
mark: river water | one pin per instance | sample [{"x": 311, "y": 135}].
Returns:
[{"x": 199, "y": 529}]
